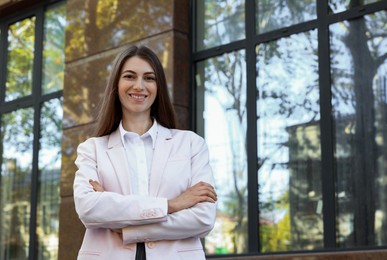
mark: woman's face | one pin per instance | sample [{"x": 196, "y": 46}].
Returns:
[{"x": 137, "y": 87}]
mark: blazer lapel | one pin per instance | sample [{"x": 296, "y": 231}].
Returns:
[
  {"x": 117, "y": 156},
  {"x": 160, "y": 157}
]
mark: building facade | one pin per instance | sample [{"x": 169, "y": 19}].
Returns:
[{"x": 289, "y": 95}]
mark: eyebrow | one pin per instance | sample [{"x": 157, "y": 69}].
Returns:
[{"x": 131, "y": 71}]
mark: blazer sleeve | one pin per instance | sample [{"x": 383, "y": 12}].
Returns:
[
  {"x": 196, "y": 221},
  {"x": 109, "y": 209}
]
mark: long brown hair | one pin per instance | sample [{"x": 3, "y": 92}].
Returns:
[{"x": 110, "y": 113}]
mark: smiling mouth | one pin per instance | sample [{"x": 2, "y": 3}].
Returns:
[{"x": 138, "y": 97}]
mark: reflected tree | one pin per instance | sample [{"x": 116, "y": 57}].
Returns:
[
  {"x": 96, "y": 29},
  {"x": 225, "y": 77},
  {"x": 365, "y": 40},
  {"x": 365, "y": 45},
  {"x": 289, "y": 147},
  {"x": 20, "y": 58},
  {"x": 17, "y": 135}
]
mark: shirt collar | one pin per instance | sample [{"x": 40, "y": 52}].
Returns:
[{"x": 152, "y": 132}]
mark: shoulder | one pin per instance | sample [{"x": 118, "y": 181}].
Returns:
[
  {"x": 188, "y": 137},
  {"x": 93, "y": 142},
  {"x": 186, "y": 134},
  {"x": 179, "y": 135},
  {"x": 105, "y": 141}
]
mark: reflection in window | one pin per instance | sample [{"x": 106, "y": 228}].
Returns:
[
  {"x": 272, "y": 15},
  {"x": 31, "y": 138},
  {"x": 49, "y": 178},
  {"x": 221, "y": 87},
  {"x": 53, "y": 54},
  {"x": 359, "y": 89},
  {"x": 342, "y": 5},
  {"x": 16, "y": 171},
  {"x": 21, "y": 46},
  {"x": 289, "y": 157},
  {"x": 219, "y": 22}
]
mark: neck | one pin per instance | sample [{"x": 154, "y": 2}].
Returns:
[{"x": 137, "y": 125}]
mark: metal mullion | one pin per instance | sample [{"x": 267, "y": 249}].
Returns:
[
  {"x": 192, "y": 83},
  {"x": 285, "y": 32},
  {"x": 3, "y": 40},
  {"x": 3, "y": 60},
  {"x": 326, "y": 128},
  {"x": 357, "y": 12},
  {"x": 218, "y": 50},
  {"x": 16, "y": 104},
  {"x": 36, "y": 93},
  {"x": 52, "y": 95},
  {"x": 28, "y": 101},
  {"x": 251, "y": 135},
  {"x": 191, "y": 105}
]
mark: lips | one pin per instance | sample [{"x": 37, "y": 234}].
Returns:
[{"x": 138, "y": 97}]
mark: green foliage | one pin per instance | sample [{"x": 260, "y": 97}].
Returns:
[{"x": 21, "y": 46}]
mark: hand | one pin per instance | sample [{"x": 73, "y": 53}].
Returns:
[
  {"x": 96, "y": 186},
  {"x": 200, "y": 192}
]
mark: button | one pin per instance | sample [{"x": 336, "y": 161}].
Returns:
[{"x": 151, "y": 245}]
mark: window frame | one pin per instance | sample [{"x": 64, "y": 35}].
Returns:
[
  {"x": 321, "y": 23},
  {"x": 35, "y": 100}
]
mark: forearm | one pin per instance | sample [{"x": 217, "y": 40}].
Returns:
[
  {"x": 197, "y": 221},
  {"x": 112, "y": 210}
]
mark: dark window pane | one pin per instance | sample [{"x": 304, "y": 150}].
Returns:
[
  {"x": 49, "y": 179},
  {"x": 342, "y": 5},
  {"x": 17, "y": 139},
  {"x": 221, "y": 86},
  {"x": 53, "y": 49},
  {"x": 21, "y": 46},
  {"x": 359, "y": 87},
  {"x": 219, "y": 22},
  {"x": 272, "y": 15},
  {"x": 289, "y": 157}
]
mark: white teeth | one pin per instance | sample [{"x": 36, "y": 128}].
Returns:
[{"x": 137, "y": 97}]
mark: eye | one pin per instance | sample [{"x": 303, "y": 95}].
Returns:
[
  {"x": 150, "y": 78},
  {"x": 128, "y": 76}
]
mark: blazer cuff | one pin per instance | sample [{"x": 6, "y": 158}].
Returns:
[{"x": 133, "y": 234}]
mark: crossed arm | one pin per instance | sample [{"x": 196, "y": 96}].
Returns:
[{"x": 200, "y": 192}]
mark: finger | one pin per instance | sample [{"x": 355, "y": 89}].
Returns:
[
  {"x": 96, "y": 186},
  {"x": 213, "y": 195},
  {"x": 207, "y": 199},
  {"x": 202, "y": 186},
  {"x": 91, "y": 182}
]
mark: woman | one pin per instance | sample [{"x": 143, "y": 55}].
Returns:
[{"x": 143, "y": 189}]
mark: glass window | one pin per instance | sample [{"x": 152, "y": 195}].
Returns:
[
  {"x": 272, "y": 15},
  {"x": 31, "y": 132},
  {"x": 49, "y": 178},
  {"x": 53, "y": 46},
  {"x": 313, "y": 125},
  {"x": 21, "y": 46},
  {"x": 289, "y": 157},
  {"x": 221, "y": 82},
  {"x": 342, "y": 5},
  {"x": 16, "y": 170},
  {"x": 359, "y": 89},
  {"x": 219, "y": 22}
]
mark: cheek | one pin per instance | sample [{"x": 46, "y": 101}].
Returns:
[
  {"x": 154, "y": 90},
  {"x": 154, "y": 94},
  {"x": 121, "y": 90}
]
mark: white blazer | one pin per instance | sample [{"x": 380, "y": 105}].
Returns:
[{"x": 180, "y": 160}]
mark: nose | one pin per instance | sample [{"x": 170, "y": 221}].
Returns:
[{"x": 139, "y": 84}]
